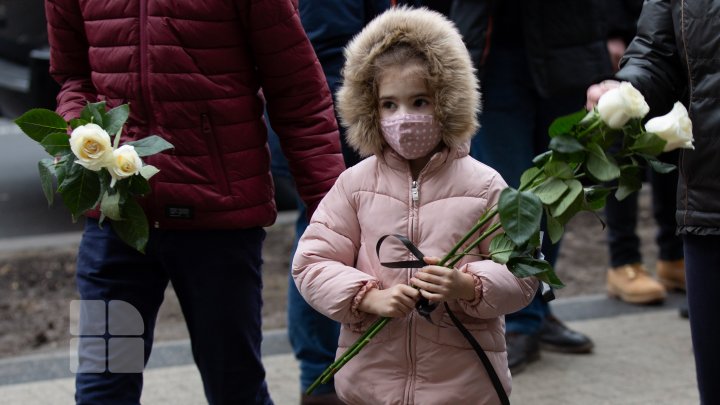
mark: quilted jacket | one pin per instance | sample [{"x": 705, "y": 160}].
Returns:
[
  {"x": 675, "y": 56},
  {"x": 411, "y": 361},
  {"x": 199, "y": 74}
]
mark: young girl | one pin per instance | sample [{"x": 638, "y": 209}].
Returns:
[{"x": 410, "y": 100}]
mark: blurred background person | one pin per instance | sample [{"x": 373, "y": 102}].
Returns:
[
  {"x": 674, "y": 57},
  {"x": 535, "y": 59}
]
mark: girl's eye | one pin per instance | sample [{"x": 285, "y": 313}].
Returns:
[
  {"x": 387, "y": 105},
  {"x": 421, "y": 102}
]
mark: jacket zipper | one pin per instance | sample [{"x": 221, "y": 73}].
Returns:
[
  {"x": 220, "y": 174},
  {"x": 145, "y": 90},
  {"x": 414, "y": 201},
  {"x": 681, "y": 172}
]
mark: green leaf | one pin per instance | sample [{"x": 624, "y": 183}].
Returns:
[
  {"x": 542, "y": 158},
  {"x": 80, "y": 191},
  {"x": 501, "y": 247},
  {"x": 574, "y": 192},
  {"x": 110, "y": 206},
  {"x": 551, "y": 279},
  {"x": 600, "y": 166},
  {"x": 151, "y": 145},
  {"x": 116, "y": 118},
  {"x": 595, "y": 197},
  {"x": 63, "y": 166},
  {"x": 148, "y": 171},
  {"x": 648, "y": 143},
  {"x": 56, "y": 143},
  {"x": 565, "y": 143},
  {"x": 628, "y": 183},
  {"x": 77, "y": 122},
  {"x": 658, "y": 166},
  {"x": 554, "y": 227},
  {"x": 47, "y": 173},
  {"x": 560, "y": 170},
  {"x": 138, "y": 185},
  {"x": 524, "y": 266},
  {"x": 520, "y": 214},
  {"x": 550, "y": 190},
  {"x": 133, "y": 229},
  {"x": 39, "y": 123},
  {"x": 565, "y": 124},
  {"x": 95, "y": 113}
]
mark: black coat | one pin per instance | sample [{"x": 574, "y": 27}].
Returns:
[
  {"x": 675, "y": 56},
  {"x": 565, "y": 40}
]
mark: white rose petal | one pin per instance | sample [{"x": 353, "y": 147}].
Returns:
[
  {"x": 92, "y": 147},
  {"x": 674, "y": 127},
  {"x": 619, "y": 105},
  {"x": 126, "y": 163}
]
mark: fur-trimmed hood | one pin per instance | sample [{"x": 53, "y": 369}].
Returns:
[{"x": 457, "y": 96}]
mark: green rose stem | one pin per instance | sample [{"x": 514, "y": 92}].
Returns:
[{"x": 379, "y": 324}]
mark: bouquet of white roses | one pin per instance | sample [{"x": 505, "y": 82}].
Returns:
[
  {"x": 92, "y": 170},
  {"x": 587, "y": 152}
]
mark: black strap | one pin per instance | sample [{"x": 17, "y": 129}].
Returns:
[
  {"x": 426, "y": 308},
  {"x": 405, "y": 264},
  {"x": 504, "y": 400}
]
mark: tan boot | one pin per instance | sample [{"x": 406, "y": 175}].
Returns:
[
  {"x": 671, "y": 274},
  {"x": 633, "y": 284}
]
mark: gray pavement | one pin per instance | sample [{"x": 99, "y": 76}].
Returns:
[{"x": 643, "y": 355}]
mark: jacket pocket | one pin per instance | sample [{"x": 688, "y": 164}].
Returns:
[{"x": 220, "y": 178}]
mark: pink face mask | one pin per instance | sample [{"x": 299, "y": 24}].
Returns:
[{"x": 411, "y": 135}]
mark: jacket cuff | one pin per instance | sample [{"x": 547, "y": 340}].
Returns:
[
  {"x": 478, "y": 288},
  {"x": 370, "y": 284}
]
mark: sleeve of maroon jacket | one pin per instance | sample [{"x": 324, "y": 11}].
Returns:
[
  {"x": 69, "y": 64},
  {"x": 298, "y": 99}
]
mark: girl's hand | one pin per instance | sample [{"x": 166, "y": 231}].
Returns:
[
  {"x": 396, "y": 301},
  {"x": 438, "y": 283}
]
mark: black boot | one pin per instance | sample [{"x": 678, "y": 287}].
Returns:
[
  {"x": 556, "y": 337},
  {"x": 522, "y": 350}
]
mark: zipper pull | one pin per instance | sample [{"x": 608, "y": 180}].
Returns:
[{"x": 414, "y": 191}]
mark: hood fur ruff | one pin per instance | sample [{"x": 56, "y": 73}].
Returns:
[{"x": 457, "y": 95}]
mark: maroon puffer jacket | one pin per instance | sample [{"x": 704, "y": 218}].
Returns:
[{"x": 195, "y": 72}]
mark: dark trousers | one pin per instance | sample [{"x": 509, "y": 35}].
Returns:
[
  {"x": 217, "y": 278},
  {"x": 622, "y": 218},
  {"x": 702, "y": 269}
]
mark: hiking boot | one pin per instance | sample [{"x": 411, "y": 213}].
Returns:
[
  {"x": 634, "y": 285},
  {"x": 671, "y": 274}
]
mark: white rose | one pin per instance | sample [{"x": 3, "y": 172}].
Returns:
[
  {"x": 674, "y": 127},
  {"x": 92, "y": 146},
  {"x": 126, "y": 162},
  {"x": 619, "y": 105}
]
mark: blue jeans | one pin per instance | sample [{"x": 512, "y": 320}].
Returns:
[
  {"x": 217, "y": 278},
  {"x": 313, "y": 336},
  {"x": 513, "y": 130},
  {"x": 702, "y": 269},
  {"x": 621, "y": 216}
]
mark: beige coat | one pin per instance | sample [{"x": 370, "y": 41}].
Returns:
[{"x": 411, "y": 361}]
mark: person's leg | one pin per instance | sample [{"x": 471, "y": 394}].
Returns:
[
  {"x": 218, "y": 281},
  {"x": 664, "y": 198},
  {"x": 623, "y": 242},
  {"x": 109, "y": 271},
  {"x": 313, "y": 336},
  {"x": 702, "y": 266},
  {"x": 670, "y": 267}
]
